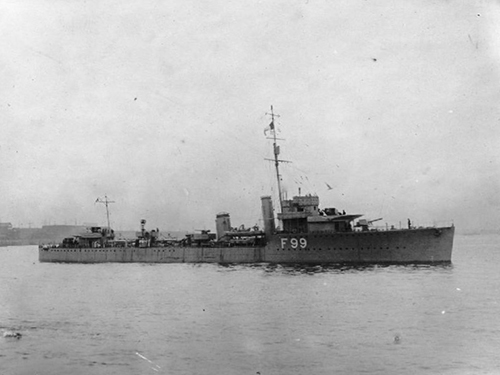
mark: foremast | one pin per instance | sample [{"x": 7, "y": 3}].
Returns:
[{"x": 276, "y": 151}]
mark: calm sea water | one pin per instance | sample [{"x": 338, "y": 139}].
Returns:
[{"x": 212, "y": 319}]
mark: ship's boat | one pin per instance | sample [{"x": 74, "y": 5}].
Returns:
[{"x": 307, "y": 235}]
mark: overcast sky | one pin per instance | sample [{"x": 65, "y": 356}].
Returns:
[{"x": 162, "y": 106}]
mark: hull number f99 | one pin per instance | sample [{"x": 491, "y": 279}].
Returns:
[{"x": 294, "y": 243}]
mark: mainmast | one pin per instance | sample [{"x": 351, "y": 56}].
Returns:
[
  {"x": 106, "y": 202},
  {"x": 276, "y": 150}
]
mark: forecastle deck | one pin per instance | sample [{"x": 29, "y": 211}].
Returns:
[{"x": 425, "y": 245}]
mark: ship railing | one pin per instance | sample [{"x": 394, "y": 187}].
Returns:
[{"x": 413, "y": 225}]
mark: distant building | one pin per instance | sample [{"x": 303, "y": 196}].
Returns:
[{"x": 5, "y": 229}]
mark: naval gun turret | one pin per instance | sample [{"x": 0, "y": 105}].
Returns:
[{"x": 365, "y": 224}]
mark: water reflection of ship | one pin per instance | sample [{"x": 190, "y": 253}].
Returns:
[{"x": 307, "y": 235}]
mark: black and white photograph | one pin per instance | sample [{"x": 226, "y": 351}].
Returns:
[{"x": 250, "y": 187}]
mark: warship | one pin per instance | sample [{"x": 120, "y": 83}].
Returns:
[{"x": 306, "y": 235}]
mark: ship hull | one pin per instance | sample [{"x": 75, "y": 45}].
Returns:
[{"x": 426, "y": 245}]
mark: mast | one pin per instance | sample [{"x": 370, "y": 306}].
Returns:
[
  {"x": 106, "y": 202},
  {"x": 276, "y": 151}
]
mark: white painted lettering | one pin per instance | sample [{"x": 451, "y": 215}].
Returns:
[
  {"x": 283, "y": 242},
  {"x": 303, "y": 243}
]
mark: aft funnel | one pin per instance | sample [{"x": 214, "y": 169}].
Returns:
[{"x": 222, "y": 224}]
